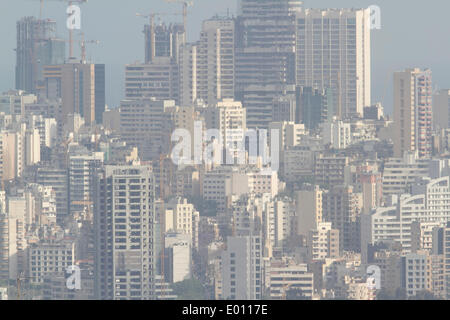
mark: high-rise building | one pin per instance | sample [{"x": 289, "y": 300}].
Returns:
[
  {"x": 207, "y": 67},
  {"x": 49, "y": 258},
  {"x": 81, "y": 173},
  {"x": 142, "y": 124},
  {"x": 323, "y": 242},
  {"x": 242, "y": 268},
  {"x": 125, "y": 233},
  {"x": 229, "y": 117},
  {"x": 37, "y": 46},
  {"x": 163, "y": 41},
  {"x": 216, "y": 60},
  {"x": 57, "y": 179},
  {"x": 342, "y": 207},
  {"x": 81, "y": 86},
  {"x": 333, "y": 51},
  {"x": 309, "y": 210},
  {"x": 265, "y": 55},
  {"x": 158, "y": 79},
  {"x": 413, "y": 114},
  {"x": 285, "y": 276}
]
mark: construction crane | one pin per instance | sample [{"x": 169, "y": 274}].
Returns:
[
  {"x": 186, "y": 4},
  {"x": 83, "y": 42},
  {"x": 20, "y": 279},
  {"x": 41, "y": 9},
  {"x": 83, "y": 46},
  {"x": 70, "y": 3}
]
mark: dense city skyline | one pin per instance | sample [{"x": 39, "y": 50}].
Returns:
[
  {"x": 255, "y": 150},
  {"x": 394, "y": 47}
]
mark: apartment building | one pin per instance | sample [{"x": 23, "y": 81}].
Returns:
[
  {"x": 126, "y": 246},
  {"x": 429, "y": 203},
  {"x": 413, "y": 113},
  {"x": 286, "y": 277},
  {"x": 323, "y": 242},
  {"x": 333, "y": 52},
  {"x": 242, "y": 268},
  {"x": 48, "y": 259}
]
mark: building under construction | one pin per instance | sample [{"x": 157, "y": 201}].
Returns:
[{"x": 37, "y": 46}]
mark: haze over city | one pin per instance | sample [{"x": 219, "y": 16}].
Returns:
[
  {"x": 235, "y": 152},
  {"x": 409, "y": 34}
]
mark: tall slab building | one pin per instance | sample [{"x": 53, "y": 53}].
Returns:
[
  {"x": 413, "y": 112},
  {"x": 207, "y": 67},
  {"x": 125, "y": 236},
  {"x": 333, "y": 51},
  {"x": 265, "y": 55}
]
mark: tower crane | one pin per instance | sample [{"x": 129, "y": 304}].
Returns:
[
  {"x": 83, "y": 43},
  {"x": 70, "y": 3},
  {"x": 186, "y": 4}
]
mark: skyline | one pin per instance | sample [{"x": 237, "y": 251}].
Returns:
[
  {"x": 389, "y": 54},
  {"x": 238, "y": 150}
]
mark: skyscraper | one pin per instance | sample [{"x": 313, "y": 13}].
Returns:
[
  {"x": 265, "y": 55},
  {"x": 207, "y": 67},
  {"x": 242, "y": 269},
  {"x": 37, "y": 46},
  {"x": 81, "y": 86},
  {"x": 413, "y": 114},
  {"x": 125, "y": 233},
  {"x": 333, "y": 51},
  {"x": 163, "y": 41},
  {"x": 158, "y": 79}
]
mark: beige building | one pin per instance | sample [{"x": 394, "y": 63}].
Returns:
[
  {"x": 182, "y": 217},
  {"x": 290, "y": 134},
  {"x": 323, "y": 242},
  {"x": 229, "y": 117},
  {"x": 46, "y": 259},
  {"x": 413, "y": 114},
  {"x": 400, "y": 173},
  {"x": 81, "y": 86},
  {"x": 8, "y": 163},
  {"x": 14, "y": 101},
  {"x": 286, "y": 276},
  {"x": 207, "y": 67},
  {"x": 309, "y": 211},
  {"x": 333, "y": 51}
]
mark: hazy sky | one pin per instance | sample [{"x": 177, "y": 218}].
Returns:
[{"x": 414, "y": 34}]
